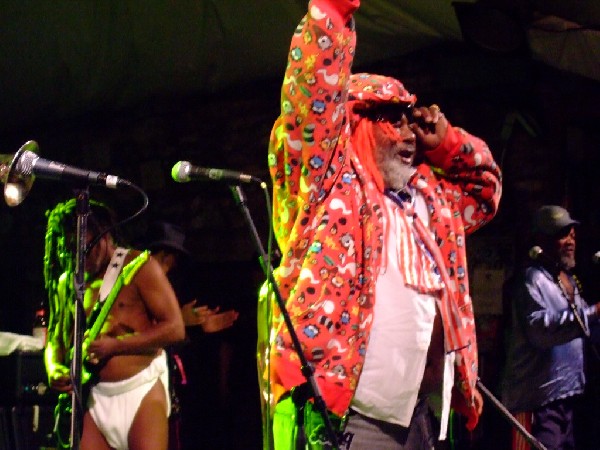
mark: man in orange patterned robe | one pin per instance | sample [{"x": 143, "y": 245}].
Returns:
[{"x": 373, "y": 197}]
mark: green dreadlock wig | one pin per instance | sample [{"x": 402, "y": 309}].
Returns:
[{"x": 59, "y": 262}]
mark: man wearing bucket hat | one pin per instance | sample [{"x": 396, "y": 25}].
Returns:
[
  {"x": 167, "y": 243},
  {"x": 373, "y": 268},
  {"x": 544, "y": 373}
]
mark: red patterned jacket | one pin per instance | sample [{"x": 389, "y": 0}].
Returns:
[{"x": 327, "y": 215}]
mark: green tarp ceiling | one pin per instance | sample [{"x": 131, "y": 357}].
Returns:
[{"x": 61, "y": 58}]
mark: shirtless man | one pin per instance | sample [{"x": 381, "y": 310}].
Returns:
[{"x": 128, "y": 408}]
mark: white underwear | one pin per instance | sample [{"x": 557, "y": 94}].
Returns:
[{"x": 113, "y": 405}]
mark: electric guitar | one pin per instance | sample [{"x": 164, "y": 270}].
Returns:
[{"x": 64, "y": 407}]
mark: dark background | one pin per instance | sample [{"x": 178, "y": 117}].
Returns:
[{"x": 130, "y": 88}]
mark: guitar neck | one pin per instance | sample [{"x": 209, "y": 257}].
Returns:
[
  {"x": 126, "y": 274},
  {"x": 98, "y": 323},
  {"x": 94, "y": 331}
]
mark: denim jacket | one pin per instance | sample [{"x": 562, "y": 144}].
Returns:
[{"x": 545, "y": 360}]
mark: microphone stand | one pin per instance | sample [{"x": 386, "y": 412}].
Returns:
[
  {"x": 82, "y": 210},
  {"x": 306, "y": 368},
  {"x": 520, "y": 428}
]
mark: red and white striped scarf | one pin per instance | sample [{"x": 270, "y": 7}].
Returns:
[{"x": 423, "y": 268}]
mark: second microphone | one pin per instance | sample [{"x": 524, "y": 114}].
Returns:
[{"x": 184, "y": 171}]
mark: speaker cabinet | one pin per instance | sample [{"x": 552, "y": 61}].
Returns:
[
  {"x": 32, "y": 427},
  {"x": 24, "y": 380},
  {"x": 27, "y": 403},
  {"x": 5, "y": 431}
]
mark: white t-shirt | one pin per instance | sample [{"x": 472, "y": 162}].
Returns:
[{"x": 400, "y": 337}]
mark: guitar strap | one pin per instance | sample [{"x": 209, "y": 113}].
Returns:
[{"x": 112, "y": 272}]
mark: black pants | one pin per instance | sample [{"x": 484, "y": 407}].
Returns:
[{"x": 366, "y": 433}]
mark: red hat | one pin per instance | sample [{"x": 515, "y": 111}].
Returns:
[{"x": 365, "y": 90}]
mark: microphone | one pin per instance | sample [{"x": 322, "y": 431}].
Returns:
[
  {"x": 28, "y": 163},
  {"x": 537, "y": 254},
  {"x": 183, "y": 171}
]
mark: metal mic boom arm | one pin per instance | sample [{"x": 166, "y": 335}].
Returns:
[
  {"x": 306, "y": 368},
  {"x": 520, "y": 428}
]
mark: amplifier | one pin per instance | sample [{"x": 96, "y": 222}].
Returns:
[
  {"x": 32, "y": 427},
  {"x": 23, "y": 379}
]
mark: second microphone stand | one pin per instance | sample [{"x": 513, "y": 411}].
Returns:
[
  {"x": 508, "y": 416},
  {"x": 306, "y": 368}
]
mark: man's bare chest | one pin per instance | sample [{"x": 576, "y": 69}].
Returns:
[{"x": 126, "y": 314}]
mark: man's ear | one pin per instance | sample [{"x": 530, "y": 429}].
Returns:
[
  {"x": 171, "y": 258},
  {"x": 167, "y": 260}
]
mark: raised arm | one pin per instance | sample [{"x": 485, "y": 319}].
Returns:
[
  {"x": 305, "y": 150},
  {"x": 472, "y": 177}
]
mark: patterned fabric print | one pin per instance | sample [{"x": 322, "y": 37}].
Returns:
[
  {"x": 367, "y": 89},
  {"x": 414, "y": 256},
  {"x": 321, "y": 274},
  {"x": 327, "y": 214},
  {"x": 459, "y": 204}
]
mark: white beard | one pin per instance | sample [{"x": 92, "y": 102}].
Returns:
[
  {"x": 395, "y": 175},
  {"x": 395, "y": 171},
  {"x": 567, "y": 262}
]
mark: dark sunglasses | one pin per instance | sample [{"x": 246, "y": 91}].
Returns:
[
  {"x": 388, "y": 112},
  {"x": 564, "y": 232}
]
